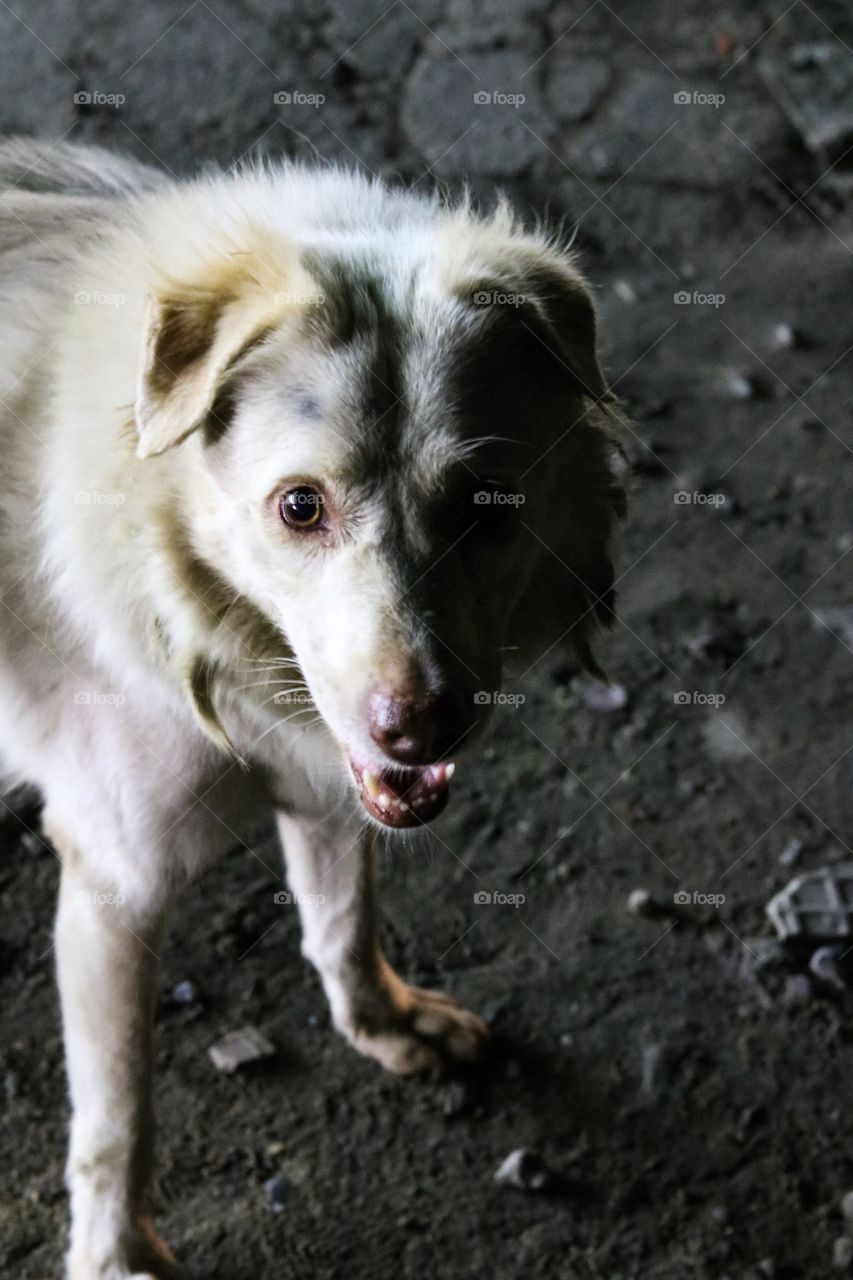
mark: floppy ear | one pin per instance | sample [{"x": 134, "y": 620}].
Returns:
[
  {"x": 197, "y": 329},
  {"x": 564, "y": 320},
  {"x": 553, "y": 301}
]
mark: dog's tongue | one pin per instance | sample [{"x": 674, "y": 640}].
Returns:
[{"x": 403, "y": 797}]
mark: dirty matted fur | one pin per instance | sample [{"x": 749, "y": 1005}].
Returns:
[{"x": 185, "y": 649}]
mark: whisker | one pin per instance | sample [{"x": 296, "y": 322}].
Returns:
[{"x": 295, "y": 685}]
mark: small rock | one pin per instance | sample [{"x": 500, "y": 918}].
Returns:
[
  {"x": 604, "y": 697},
  {"x": 791, "y": 852},
  {"x": 785, "y": 337},
  {"x": 524, "y": 1170},
  {"x": 650, "y": 1060},
  {"x": 455, "y": 1100},
  {"x": 492, "y": 1010},
  {"x": 842, "y": 1253},
  {"x": 278, "y": 1190},
  {"x": 824, "y": 964},
  {"x": 184, "y": 992},
  {"x": 814, "y": 87},
  {"x": 798, "y": 989},
  {"x": 239, "y": 1048},
  {"x": 815, "y": 905},
  {"x": 641, "y": 903},
  {"x": 847, "y": 1205},
  {"x": 737, "y": 386}
]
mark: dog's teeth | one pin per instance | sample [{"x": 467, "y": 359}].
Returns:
[
  {"x": 404, "y": 806},
  {"x": 371, "y": 783},
  {"x": 383, "y": 800},
  {"x": 449, "y": 770}
]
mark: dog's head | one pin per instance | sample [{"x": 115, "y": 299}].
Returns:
[{"x": 394, "y": 435}]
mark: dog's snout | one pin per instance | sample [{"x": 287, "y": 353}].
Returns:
[{"x": 418, "y": 729}]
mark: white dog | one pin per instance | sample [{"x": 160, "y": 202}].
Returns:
[{"x": 288, "y": 460}]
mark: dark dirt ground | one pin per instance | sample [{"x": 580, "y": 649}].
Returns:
[{"x": 697, "y": 1109}]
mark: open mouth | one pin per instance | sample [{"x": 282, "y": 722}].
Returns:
[{"x": 403, "y": 796}]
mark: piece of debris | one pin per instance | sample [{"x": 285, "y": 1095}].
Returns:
[
  {"x": 492, "y": 1010},
  {"x": 813, "y": 85},
  {"x": 184, "y": 992},
  {"x": 738, "y": 386},
  {"x": 785, "y": 337},
  {"x": 816, "y": 906},
  {"x": 842, "y": 1253},
  {"x": 526, "y": 1171},
  {"x": 625, "y": 290},
  {"x": 825, "y": 964},
  {"x": 790, "y": 853},
  {"x": 650, "y": 1058},
  {"x": 278, "y": 1190},
  {"x": 641, "y": 903},
  {"x": 456, "y": 1099},
  {"x": 603, "y": 697},
  {"x": 847, "y": 1205},
  {"x": 798, "y": 989},
  {"x": 239, "y": 1048}
]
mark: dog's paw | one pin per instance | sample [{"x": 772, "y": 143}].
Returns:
[
  {"x": 83, "y": 1269},
  {"x": 143, "y": 1257},
  {"x": 420, "y": 1031}
]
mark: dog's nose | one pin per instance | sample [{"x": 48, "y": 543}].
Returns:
[{"x": 417, "y": 730}]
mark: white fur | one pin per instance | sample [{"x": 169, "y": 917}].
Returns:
[{"x": 122, "y": 675}]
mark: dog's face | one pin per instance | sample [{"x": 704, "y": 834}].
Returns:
[{"x": 387, "y": 450}]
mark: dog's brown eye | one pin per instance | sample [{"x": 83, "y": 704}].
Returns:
[{"x": 302, "y": 507}]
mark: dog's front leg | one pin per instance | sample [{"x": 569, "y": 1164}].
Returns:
[
  {"x": 332, "y": 878},
  {"x": 107, "y": 968}
]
